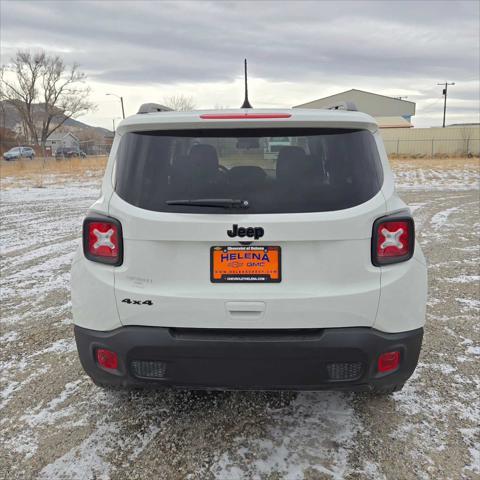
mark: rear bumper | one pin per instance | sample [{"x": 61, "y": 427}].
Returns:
[{"x": 326, "y": 359}]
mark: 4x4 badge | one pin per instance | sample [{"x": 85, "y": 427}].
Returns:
[{"x": 255, "y": 232}]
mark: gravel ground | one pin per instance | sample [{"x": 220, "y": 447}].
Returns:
[{"x": 55, "y": 424}]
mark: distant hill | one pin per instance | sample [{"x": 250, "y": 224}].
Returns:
[{"x": 10, "y": 118}]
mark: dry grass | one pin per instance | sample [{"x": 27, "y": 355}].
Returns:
[
  {"x": 38, "y": 172},
  {"x": 51, "y": 166}
]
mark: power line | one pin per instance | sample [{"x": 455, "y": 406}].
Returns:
[{"x": 429, "y": 105}]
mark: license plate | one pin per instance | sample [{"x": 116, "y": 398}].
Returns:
[{"x": 245, "y": 264}]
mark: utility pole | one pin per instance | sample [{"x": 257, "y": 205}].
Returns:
[
  {"x": 121, "y": 101},
  {"x": 445, "y": 85},
  {"x": 113, "y": 122},
  {"x": 123, "y": 109}
]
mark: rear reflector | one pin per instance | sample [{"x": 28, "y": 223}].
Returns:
[
  {"x": 149, "y": 369},
  {"x": 388, "y": 361},
  {"x": 107, "y": 359},
  {"x": 102, "y": 240},
  {"x": 393, "y": 240},
  {"x": 242, "y": 116}
]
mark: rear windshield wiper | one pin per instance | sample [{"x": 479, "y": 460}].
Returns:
[{"x": 211, "y": 202}]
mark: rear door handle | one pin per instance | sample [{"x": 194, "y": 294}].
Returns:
[{"x": 246, "y": 309}]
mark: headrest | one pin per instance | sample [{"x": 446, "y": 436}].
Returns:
[
  {"x": 291, "y": 162},
  {"x": 204, "y": 158}
]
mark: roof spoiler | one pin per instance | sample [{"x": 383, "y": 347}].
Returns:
[
  {"x": 346, "y": 105},
  {"x": 153, "y": 107}
]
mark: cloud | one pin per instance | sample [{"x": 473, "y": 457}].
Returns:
[{"x": 379, "y": 46}]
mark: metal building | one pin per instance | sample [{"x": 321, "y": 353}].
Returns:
[{"x": 389, "y": 112}]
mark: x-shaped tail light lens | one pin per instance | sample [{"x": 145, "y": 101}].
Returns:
[
  {"x": 102, "y": 240},
  {"x": 393, "y": 240}
]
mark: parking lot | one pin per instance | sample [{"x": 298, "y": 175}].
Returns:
[{"x": 55, "y": 424}]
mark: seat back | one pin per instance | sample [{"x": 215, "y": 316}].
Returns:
[{"x": 247, "y": 177}]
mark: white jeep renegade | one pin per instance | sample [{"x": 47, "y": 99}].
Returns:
[{"x": 249, "y": 249}]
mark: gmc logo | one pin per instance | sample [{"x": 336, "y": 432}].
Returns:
[{"x": 251, "y": 232}]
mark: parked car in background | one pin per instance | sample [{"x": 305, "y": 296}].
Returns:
[
  {"x": 16, "y": 153},
  {"x": 69, "y": 152}
]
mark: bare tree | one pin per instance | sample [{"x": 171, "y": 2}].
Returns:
[
  {"x": 179, "y": 103},
  {"x": 45, "y": 92}
]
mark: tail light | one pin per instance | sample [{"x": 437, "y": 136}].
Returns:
[
  {"x": 106, "y": 358},
  {"x": 393, "y": 240},
  {"x": 102, "y": 240},
  {"x": 388, "y": 361}
]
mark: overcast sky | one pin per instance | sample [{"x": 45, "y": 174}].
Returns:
[{"x": 297, "y": 51}]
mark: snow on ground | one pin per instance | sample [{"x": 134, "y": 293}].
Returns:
[
  {"x": 55, "y": 424},
  {"x": 408, "y": 178},
  {"x": 292, "y": 445}
]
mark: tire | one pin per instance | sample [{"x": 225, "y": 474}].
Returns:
[{"x": 381, "y": 391}]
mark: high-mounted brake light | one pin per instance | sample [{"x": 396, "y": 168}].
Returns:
[
  {"x": 393, "y": 240},
  {"x": 242, "y": 116},
  {"x": 102, "y": 240}
]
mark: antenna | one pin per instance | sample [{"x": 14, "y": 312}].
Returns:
[{"x": 246, "y": 103}]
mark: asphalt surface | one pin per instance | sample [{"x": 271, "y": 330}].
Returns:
[{"x": 55, "y": 424}]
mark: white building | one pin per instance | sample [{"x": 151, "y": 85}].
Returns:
[{"x": 62, "y": 139}]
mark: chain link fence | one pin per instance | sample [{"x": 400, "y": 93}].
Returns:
[
  {"x": 88, "y": 147},
  {"x": 425, "y": 147}
]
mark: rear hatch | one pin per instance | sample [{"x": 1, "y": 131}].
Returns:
[{"x": 221, "y": 232}]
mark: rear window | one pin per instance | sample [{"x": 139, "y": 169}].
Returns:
[{"x": 274, "y": 170}]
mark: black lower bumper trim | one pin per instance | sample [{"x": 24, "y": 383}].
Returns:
[{"x": 328, "y": 359}]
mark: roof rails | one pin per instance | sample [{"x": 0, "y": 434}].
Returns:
[
  {"x": 153, "y": 107},
  {"x": 346, "y": 105}
]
